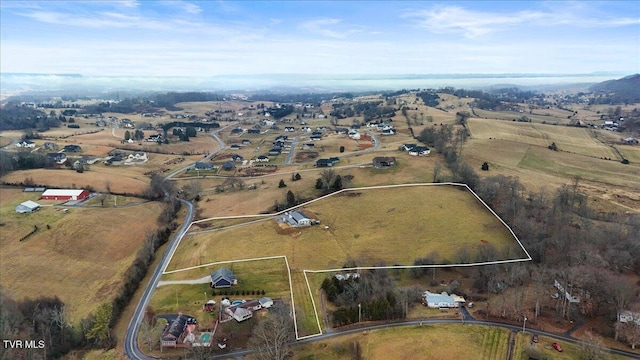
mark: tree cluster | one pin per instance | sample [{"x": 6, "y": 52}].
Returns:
[{"x": 17, "y": 117}]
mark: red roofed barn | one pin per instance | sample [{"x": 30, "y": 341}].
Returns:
[{"x": 64, "y": 194}]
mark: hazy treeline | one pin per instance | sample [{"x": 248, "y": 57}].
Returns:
[{"x": 14, "y": 116}]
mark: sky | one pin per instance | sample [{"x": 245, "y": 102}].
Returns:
[{"x": 212, "y": 38}]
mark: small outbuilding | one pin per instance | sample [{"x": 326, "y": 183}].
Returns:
[
  {"x": 266, "y": 302},
  {"x": 27, "y": 207}
]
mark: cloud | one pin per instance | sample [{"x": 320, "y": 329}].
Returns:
[
  {"x": 183, "y": 6},
  {"x": 324, "y": 27},
  {"x": 473, "y": 24}
]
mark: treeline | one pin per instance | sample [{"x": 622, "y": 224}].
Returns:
[
  {"x": 43, "y": 321},
  {"x": 371, "y": 296},
  {"x": 17, "y": 117},
  {"x": 23, "y": 160},
  {"x": 125, "y": 106},
  {"x": 429, "y": 98},
  {"x": 368, "y": 109},
  {"x": 308, "y": 98},
  {"x": 170, "y": 99},
  {"x": 281, "y": 112}
]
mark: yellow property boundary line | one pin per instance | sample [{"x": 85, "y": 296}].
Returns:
[{"x": 305, "y": 271}]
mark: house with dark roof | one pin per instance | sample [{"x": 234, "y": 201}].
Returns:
[
  {"x": 383, "y": 162},
  {"x": 407, "y": 147},
  {"x": 275, "y": 151},
  {"x": 58, "y": 158},
  {"x": 174, "y": 332},
  {"x": 71, "y": 148},
  {"x": 327, "y": 162},
  {"x": 253, "y": 131},
  {"x": 222, "y": 278},
  {"x": 262, "y": 158},
  {"x": 228, "y": 165},
  {"x": 201, "y": 165}
]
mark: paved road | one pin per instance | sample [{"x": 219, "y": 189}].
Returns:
[
  {"x": 130, "y": 341},
  {"x": 292, "y": 150}
]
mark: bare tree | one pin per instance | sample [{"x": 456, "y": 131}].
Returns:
[
  {"x": 273, "y": 335},
  {"x": 621, "y": 292},
  {"x": 328, "y": 176}
]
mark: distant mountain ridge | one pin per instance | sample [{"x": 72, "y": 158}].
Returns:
[{"x": 627, "y": 87}]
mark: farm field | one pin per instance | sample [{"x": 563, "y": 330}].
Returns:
[
  {"x": 472, "y": 342},
  {"x": 370, "y": 236},
  {"x": 570, "y": 139},
  {"x": 391, "y": 235},
  {"x": 92, "y": 246}
]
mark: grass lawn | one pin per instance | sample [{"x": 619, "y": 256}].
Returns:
[
  {"x": 91, "y": 246},
  {"x": 419, "y": 342},
  {"x": 543, "y": 350}
]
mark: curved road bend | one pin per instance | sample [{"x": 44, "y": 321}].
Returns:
[{"x": 131, "y": 337}]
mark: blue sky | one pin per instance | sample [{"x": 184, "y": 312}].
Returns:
[{"x": 190, "y": 38}]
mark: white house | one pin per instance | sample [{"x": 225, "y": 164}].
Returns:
[
  {"x": 297, "y": 218},
  {"x": 238, "y": 313},
  {"x": 26, "y": 144},
  {"x": 442, "y": 300},
  {"x": 628, "y": 316}
]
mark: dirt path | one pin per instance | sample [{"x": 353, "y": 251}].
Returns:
[{"x": 512, "y": 344}]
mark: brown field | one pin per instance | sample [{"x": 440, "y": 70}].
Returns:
[
  {"x": 370, "y": 237},
  {"x": 570, "y": 139},
  {"x": 91, "y": 246},
  {"x": 419, "y": 342}
]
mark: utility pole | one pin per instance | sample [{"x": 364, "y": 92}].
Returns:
[
  {"x": 359, "y": 312},
  {"x": 524, "y": 323}
]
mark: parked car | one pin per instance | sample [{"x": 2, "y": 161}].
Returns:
[
  {"x": 557, "y": 347},
  {"x": 534, "y": 338}
]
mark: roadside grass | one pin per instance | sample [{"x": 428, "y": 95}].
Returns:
[
  {"x": 442, "y": 341},
  {"x": 524, "y": 348},
  {"x": 112, "y": 201},
  {"x": 93, "y": 247},
  {"x": 307, "y": 319}
]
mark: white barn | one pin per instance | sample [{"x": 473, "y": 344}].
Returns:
[{"x": 27, "y": 207}]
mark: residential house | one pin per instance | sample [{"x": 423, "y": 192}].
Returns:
[
  {"x": 324, "y": 163},
  {"x": 387, "y": 132},
  {"x": 383, "y": 162},
  {"x": 572, "y": 299},
  {"x": 175, "y": 331},
  {"x": 253, "y": 131},
  {"x": 237, "y": 131},
  {"x": 628, "y": 316},
  {"x": 27, "y": 207},
  {"x": 234, "y": 147},
  {"x": 26, "y": 144},
  {"x": 296, "y": 218},
  {"x": 407, "y": 147},
  {"x": 308, "y": 146},
  {"x": 222, "y": 278},
  {"x": 275, "y": 151},
  {"x": 262, "y": 158},
  {"x": 315, "y": 137},
  {"x": 630, "y": 141},
  {"x": 138, "y": 155},
  {"x": 442, "y": 300},
  {"x": 228, "y": 165},
  {"x": 239, "y": 313},
  {"x": 246, "y": 142},
  {"x": 419, "y": 151},
  {"x": 289, "y": 129},
  {"x": 71, "y": 148},
  {"x": 237, "y": 158},
  {"x": 200, "y": 165},
  {"x": 58, "y": 158}
]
